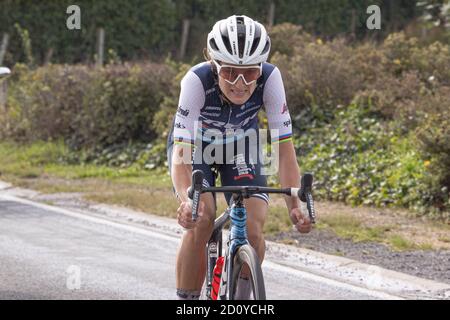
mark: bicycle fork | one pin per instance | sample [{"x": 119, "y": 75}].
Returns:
[{"x": 236, "y": 238}]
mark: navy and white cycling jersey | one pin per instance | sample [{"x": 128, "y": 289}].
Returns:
[{"x": 201, "y": 108}]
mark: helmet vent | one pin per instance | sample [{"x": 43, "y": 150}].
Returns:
[
  {"x": 256, "y": 39},
  {"x": 266, "y": 47},
  {"x": 213, "y": 44},
  {"x": 241, "y": 33},
  {"x": 225, "y": 37}
]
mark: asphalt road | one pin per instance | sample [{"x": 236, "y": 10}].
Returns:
[{"x": 57, "y": 254}]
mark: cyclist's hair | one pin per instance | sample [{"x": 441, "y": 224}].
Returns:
[
  {"x": 209, "y": 59},
  {"x": 206, "y": 54}
]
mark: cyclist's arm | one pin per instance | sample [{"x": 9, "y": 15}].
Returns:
[
  {"x": 281, "y": 134},
  {"x": 181, "y": 172},
  {"x": 192, "y": 98},
  {"x": 289, "y": 172}
]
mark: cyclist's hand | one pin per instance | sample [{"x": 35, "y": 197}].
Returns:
[
  {"x": 301, "y": 221},
  {"x": 184, "y": 213}
]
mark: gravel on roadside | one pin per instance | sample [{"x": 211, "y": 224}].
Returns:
[{"x": 428, "y": 264}]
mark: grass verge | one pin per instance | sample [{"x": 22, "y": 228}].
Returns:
[{"x": 40, "y": 167}]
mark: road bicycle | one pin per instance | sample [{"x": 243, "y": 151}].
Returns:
[{"x": 221, "y": 282}]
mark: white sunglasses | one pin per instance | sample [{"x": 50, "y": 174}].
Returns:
[{"x": 231, "y": 74}]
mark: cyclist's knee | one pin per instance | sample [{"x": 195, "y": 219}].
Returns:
[
  {"x": 255, "y": 235},
  {"x": 209, "y": 212},
  {"x": 206, "y": 223},
  {"x": 256, "y": 211}
]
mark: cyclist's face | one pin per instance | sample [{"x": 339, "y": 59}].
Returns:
[{"x": 237, "y": 93}]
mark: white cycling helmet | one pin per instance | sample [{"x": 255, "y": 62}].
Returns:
[{"x": 239, "y": 40}]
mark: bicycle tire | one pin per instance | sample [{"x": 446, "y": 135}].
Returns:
[{"x": 246, "y": 254}]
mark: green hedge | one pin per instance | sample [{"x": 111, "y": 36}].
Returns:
[
  {"x": 87, "y": 107},
  {"x": 360, "y": 159}
]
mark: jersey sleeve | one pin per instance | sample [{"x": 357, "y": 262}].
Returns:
[
  {"x": 192, "y": 98},
  {"x": 278, "y": 117}
]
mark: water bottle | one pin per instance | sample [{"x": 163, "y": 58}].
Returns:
[{"x": 217, "y": 273}]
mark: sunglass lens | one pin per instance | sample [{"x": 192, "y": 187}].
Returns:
[
  {"x": 227, "y": 73},
  {"x": 251, "y": 74}
]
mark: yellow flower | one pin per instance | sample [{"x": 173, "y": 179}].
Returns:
[
  {"x": 397, "y": 61},
  {"x": 319, "y": 41},
  {"x": 426, "y": 163}
]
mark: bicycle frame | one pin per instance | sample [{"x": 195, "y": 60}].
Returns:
[{"x": 237, "y": 215}]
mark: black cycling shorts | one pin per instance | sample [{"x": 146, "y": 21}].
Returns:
[{"x": 234, "y": 170}]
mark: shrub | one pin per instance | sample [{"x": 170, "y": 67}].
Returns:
[
  {"x": 319, "y": 75},
  {"x": 358, "y": 159},
  {"x": 120, "y": 104},
  {"x": 43, "y": 103},
  {"x": 403, "y": 54},
  {"x": 87, "y": 107}
]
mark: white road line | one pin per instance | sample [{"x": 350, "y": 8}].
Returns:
[
  {"x": 91, "y": 218},
  {"x": 333, "y": 283}
]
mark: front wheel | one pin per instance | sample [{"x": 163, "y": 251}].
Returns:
[{"x": 246, "y": 256}]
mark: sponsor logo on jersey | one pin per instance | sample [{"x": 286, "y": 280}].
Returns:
[
  {"x": 222, "y": 125},
  {"x": 287, "y": 123},
  {"x": 180, "y": 125},
  {"x": 255, "y": 108},
  {"x": 247, "y": 105},
  {"x": 243, "y": 170},
  {"x": 210, "y": 91},
  {"x": 213, "y": 108},
  {"x": 183, "y": 112},
  {"x": 210, "y": 114}
]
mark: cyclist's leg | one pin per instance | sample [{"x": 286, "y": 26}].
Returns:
[
  {"x": 256, "y": 217},
  {"x": 190, "y": 260}
]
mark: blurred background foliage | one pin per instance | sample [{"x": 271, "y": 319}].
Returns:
[
  {"x": 370, "y": 108},
  {"x": 156, "y": 26}
]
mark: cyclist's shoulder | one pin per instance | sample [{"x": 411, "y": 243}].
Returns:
[
  {"x": 200, "y": 72},
  {"x": 269, "y": 69}
]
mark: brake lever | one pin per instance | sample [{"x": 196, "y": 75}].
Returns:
[
  {"x": 305, "y": 195},
  {"x": 194, "y": 192}
]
